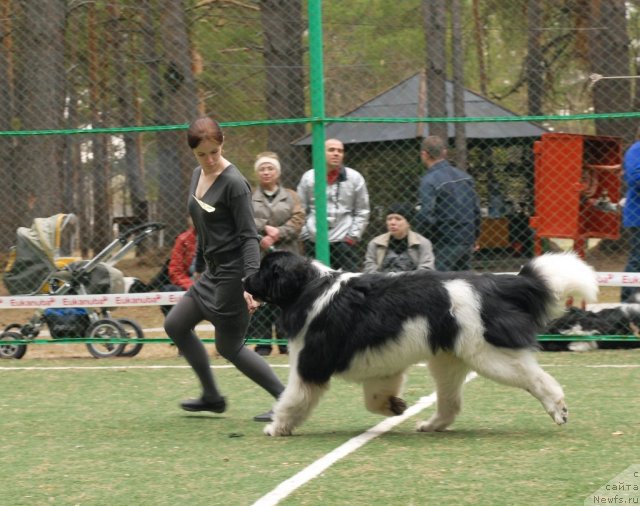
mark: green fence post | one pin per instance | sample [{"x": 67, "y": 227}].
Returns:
[{"x": 317, "y": 129}]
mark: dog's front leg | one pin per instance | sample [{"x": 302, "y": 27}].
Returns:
[
  {"x": 298, "y": 399},
  {"x": 294, "y": 405}
]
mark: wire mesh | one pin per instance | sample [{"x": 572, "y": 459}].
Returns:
[{"x": 535, "y": 112}]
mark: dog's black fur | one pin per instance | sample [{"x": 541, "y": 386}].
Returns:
[
  {"x": 623, "y": 320},
  {"x": 370, "y": 327},
  {"x": 366, "y": 312}
]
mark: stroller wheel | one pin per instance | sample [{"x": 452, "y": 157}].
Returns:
[
  {"x": 8, "y": 350},
  {"x": 133, "y": 331},
  {"x": 106, "y": 329}
]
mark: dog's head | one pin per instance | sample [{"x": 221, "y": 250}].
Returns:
[{"x": 282, "y": 277}]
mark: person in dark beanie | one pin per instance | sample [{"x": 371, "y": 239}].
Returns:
[{"x": 400, "y": 249}]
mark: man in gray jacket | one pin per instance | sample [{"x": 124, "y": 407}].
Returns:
[{"x": 347, "y": 208}]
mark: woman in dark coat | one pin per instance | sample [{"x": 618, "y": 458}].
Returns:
[{"x": 227, "y": 251}]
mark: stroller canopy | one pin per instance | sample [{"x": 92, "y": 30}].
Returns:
[{"x": 37, "y": 248}]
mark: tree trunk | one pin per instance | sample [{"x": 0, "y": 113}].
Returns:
[
  {"x": 284, "y": 83},
  {"x": 101, "y": 226},
  {"x": 608, "y": 41},
  {"x": 10, "y": 219},
  {"x": 180, "y": 106},
  {"x": 458, "y": 83},
  {"x": 636, "y": 94},
  {"x": 151, "y": 60},
  {"x": 434, "y": 29},
  {"x": 478, "y": 32},
  {"x": 70, "y": 169},
  {"x": 40, "y": 94},
  {"x": 534, "y": 68},
  {"x": 71, "y": 163},
  {"x": 127, "y": 105}
]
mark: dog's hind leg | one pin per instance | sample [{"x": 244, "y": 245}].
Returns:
[
  {"x": 519, "y": 368},
  {"x": 382, "y": 395},
  {"x": 449, "y": 373}
]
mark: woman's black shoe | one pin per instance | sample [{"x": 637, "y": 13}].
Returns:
[
  {"x": 264, "y": 417},
  {"x": 263, "y": 351},
  {"x": 202, "y": 405}
]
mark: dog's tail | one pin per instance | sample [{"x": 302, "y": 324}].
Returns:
[{"x": 565, "y": 275}]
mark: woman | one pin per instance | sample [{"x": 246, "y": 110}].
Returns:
[
  {"x": 400, "y": 249},
  {"x": 227, "y": 250},
  {"x": 279, "y": 219}
]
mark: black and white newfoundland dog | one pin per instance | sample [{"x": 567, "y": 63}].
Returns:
[{"x": 369, "y": 328}]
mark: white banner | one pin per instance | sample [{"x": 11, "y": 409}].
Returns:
[
  {"x": 106, "y": 300},
  {"x": 170, "y": 298},
  {"x": 618, "y": 278}
]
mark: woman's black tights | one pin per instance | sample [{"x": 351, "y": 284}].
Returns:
[{"x": 179, "y": 326}]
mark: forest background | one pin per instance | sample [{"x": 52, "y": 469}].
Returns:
[{"x": 95, "y": 95}]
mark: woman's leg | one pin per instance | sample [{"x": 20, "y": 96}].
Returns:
[
  {"x": 230, "y": 344},
  {"x": 179, "y": 325}
]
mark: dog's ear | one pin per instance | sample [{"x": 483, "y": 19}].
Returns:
[
  {"x": 279, "y": 280},
  {"x": 288, "y": 276}
]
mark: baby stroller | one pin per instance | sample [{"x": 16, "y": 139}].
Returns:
[{"x": 42, "y": 263}]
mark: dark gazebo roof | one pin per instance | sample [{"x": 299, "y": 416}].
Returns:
[{"x": 406, "y": 99}]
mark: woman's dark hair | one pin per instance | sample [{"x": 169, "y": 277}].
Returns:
[{"x": 204, "y": 128}]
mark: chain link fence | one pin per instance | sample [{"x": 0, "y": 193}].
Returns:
[{"x": 94, "y": 98}]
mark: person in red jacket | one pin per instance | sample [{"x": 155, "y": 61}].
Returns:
[
  {"x": 181, "y": 261},
  {"x": 180, "y": 265}
]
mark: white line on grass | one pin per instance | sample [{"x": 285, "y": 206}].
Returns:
[
  {"x": 114, "y": 367},
  {"x": 593, "y": 366},
  {"x": 229, "y": 366},
  {"x": 313, "y": 470}
]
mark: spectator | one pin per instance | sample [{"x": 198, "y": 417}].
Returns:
[
  {"x": 449, "y": 208},
  {"x": 182, "y": 255},
  {"x": 347, "y": 208},
  {"x": 279, "y": 219},
  {"x": 631, "y": 214},
  {"x": 227, "y": 250},
  {"x": 400, "y": 249},
  {"x": 180, "y": 267}
]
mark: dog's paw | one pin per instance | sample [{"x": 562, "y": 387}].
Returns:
[
  {"x": 274, "y": 430},
  {"x": 434, "y": 424},
  {"x": 397, "y": 405},
  {"x": 560, "y": 412}
]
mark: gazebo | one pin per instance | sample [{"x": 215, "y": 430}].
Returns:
[
  {"x": 408, "y": 99},
  {"x": 387, "y": 154}
]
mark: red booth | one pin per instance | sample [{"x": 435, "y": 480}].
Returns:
[{"x": 577, "y": 188}]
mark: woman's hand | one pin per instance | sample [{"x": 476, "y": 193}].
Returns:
[
  {"x": 273, "y": 232},
  {"x": 266, "y": 242},
  {"x": 252, "y": 304}
]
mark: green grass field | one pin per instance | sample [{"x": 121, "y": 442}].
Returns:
[{"x": 98, "y": 434}]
